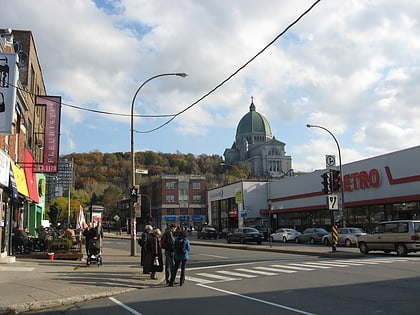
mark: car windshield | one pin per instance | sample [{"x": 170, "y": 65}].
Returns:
[
  {"x": 355, "y": 231},
  {"x": 250, "y": 230}
]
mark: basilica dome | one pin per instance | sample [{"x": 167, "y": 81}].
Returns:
[{"x": 253, "y": 124}]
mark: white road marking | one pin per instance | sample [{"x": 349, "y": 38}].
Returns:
[
  {"x": 131, "y": 310},
  {"x": 210, "y": 275},
  {"x": 275, "y": 269},
  {"x": 294, "y": 267},
  {"x": 232, "y": 273},
  {"x": 257, "y": 300},
  {"x": 214, "y": 256},
  {"x": 257, "y": 272},
  {"x": 16, "y": 268},
  {"x": 199, "y": 280}
]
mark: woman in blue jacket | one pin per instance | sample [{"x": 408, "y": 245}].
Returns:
[{"x": 182, "y": 248}]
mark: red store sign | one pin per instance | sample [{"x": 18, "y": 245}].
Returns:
[{"x": 362, "y": 180}]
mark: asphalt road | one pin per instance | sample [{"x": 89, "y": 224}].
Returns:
[{"x": 231, "y": 281}]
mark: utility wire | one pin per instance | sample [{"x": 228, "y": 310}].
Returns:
[
  {"x": 173, "y": 116},
  {"x": 234, "y": 73}
]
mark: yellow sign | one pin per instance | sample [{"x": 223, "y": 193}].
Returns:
[{"x": 238, "y": 196}]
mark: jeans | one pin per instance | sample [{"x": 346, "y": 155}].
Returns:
[
  {"x": 169, "y": 265},
  {"x": 182, "y": 278}
]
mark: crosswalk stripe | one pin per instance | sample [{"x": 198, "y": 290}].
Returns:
[
  {"x": 16, "y": 268},
  {"x": 332, "y": 264},
  {"x": 232, "y": 273},
  {"x": 293, "y": 267},
  {"x": 314, "y": 265},
  {"x": 275, "y": 269},
  {"x": 199, "y": 280},
  {"x": 211, "y": 275},
  {"x": 257, "y": 272}
]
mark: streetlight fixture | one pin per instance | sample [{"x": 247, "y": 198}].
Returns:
[
  {"x": 133, "y": 164},
  {"x": 341, "y": 170}
]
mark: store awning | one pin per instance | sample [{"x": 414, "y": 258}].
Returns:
[
  {"x": 31, "y": 177},
  {"x": 20, "y": 179},
  {"x": 12, "y": 184}
]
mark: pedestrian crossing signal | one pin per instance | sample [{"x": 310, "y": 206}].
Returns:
[{"x": 133, "y": 194}]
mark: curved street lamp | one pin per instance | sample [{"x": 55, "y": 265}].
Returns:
[
  {"x": 133, "y": 165},
  {"x": 341, "y": 170}
]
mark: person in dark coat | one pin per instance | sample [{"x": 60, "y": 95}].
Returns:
[
  {"x": 89, "y": 233},
  {"x": 167, "y": 243},
  {"x": 152, "y": 261},
  {"x": 142, "y": 242}
]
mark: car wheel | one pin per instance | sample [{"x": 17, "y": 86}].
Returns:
[
  {"x": 297, "y": 241},
  {"x": 363, "y": 248},
  {"x": 312, "y": 241},
  {"x": 326, "y": 241},
  {"x": 401, "y": 250},
  {"x": 284, "y": 239},
  {"x": 348, "y": 243}
]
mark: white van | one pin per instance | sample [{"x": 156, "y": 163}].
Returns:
[{"x": 401, "y": 236}]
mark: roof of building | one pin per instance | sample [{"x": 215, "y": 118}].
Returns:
[{"x": 253, "y": 122}]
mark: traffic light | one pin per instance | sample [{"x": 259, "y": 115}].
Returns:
[
  {"x": 336, "y": 180},
  {"x": 133, "y": 194},
  {"x": 326, "y": 182}
]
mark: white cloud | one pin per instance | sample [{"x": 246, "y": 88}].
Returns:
[{"x": 350, "y": 66}]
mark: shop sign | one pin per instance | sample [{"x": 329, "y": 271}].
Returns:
[{"x": 362, "y": 180}]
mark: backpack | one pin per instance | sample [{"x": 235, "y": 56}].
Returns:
[
  {"x": 164, "y": 242},
  {"x": 181, "y": 246}
]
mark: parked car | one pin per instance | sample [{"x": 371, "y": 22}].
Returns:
[
  {"x": 401, "y": 236},
  {"x": 311, "y": 236},
  {"x": 263, "y": 230},
  {"x": 223, "y": 233},
  {"x": 284, "y": 235},
  {"x": 207, "y": 232},
  {"x": 348, "y": 236},
  {"x": 245, "y": 235}
]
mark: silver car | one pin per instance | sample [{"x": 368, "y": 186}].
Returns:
[
  {"x": 284, "y": 235},
  {"x": 348, "y": 236},
  {"x": 311, "y": 236},
  {"x": 401, "y": 236}
]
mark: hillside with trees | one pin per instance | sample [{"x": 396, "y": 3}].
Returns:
[{"x": 105, "y": 178}]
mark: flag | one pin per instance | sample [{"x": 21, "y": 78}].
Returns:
[{"x": 81, "y": 222}]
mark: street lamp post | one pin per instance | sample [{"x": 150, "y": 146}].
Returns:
[
  {"x": 341, "y": 171},
  {"x": 133, "y": 164}
]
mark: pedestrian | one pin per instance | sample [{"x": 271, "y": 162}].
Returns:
[
  {"x": 100, "y": 234},
  {"x": 89, "y": 233},
  {"x": 167, "y": 243},
  {"x": 182, "y": 248},
  {"x": 152, "y": 261},
  {"x": 142, "y": 241}
]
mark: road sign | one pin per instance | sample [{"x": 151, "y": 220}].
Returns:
[
  {"x": 332, "y": 202},
  {"x": 142, "y": 171},
  {"x": 330, "y": 160}
]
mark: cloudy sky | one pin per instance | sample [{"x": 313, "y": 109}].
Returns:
[{"x": 349, "y": 66}]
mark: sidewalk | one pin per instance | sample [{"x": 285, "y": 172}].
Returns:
[{"x": 33, "y": 284}]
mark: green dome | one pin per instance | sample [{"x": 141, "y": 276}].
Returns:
[{"x": 253, "y": 123}]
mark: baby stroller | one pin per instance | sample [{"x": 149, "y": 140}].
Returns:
[{"x": 94, "y": 253}]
